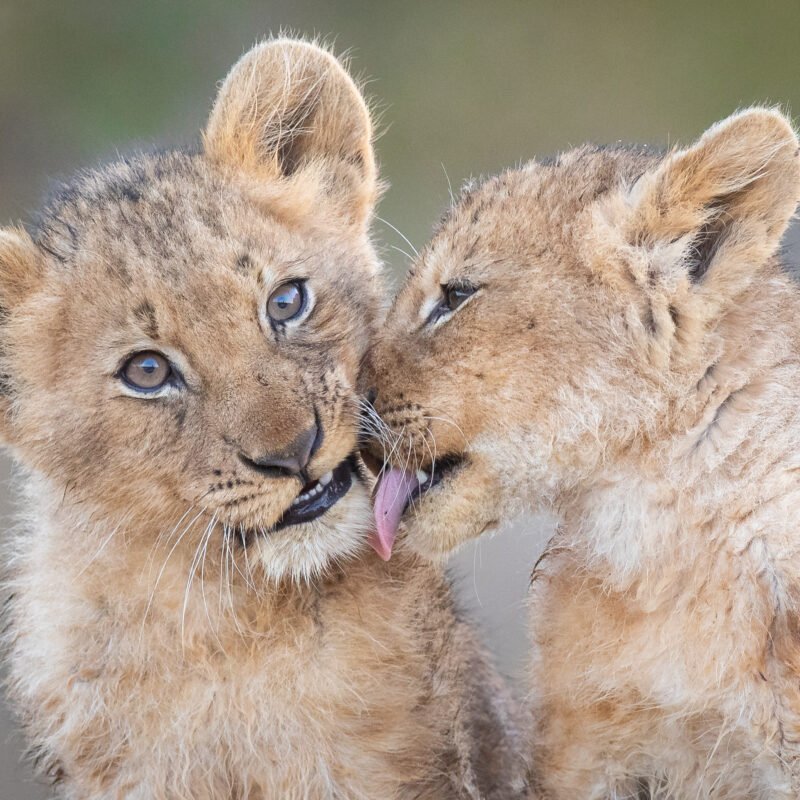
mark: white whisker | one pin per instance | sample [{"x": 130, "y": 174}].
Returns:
[
  {"x": 399, "y": 233},
  {"x": 166, "y": 560}
]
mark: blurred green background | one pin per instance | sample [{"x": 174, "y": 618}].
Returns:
[{"x": 464, "y": 88}]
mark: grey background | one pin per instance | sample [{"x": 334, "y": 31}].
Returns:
[{"x": 464, "y": 88}]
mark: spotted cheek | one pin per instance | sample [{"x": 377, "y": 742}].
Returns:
[
  {"x": 337, "y": 407},
  {"x": 439, "y": 409},
  {"x": 211, "y": 470}
]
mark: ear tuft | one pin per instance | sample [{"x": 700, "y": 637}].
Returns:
[
  {"x": 728, "y": 198},
  {"x": 289, "y": 107},
  {"x": 21, "y": 267}
]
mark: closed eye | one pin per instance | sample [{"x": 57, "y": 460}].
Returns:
[{"x": 454, "y": 294}]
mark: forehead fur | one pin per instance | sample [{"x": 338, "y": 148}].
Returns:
[
  {"x": 151, "y": 209},
  {"x": 146, "y": 199},
  {"x": 173, "y": 216},
  {"x": 565, "y": 184}
]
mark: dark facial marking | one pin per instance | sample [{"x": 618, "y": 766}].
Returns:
[
  {"x": 180, "y": 416},
  {"x": 245, "y": 264},
  {"x": 705, "y": 246},
  {"x": 131, "y": 194},
  {"x": 673, "y": 312},
  {"x": 146, "y": 314},
  {"x": 471, "y": 250},
  {"x": 649, "y": 319}
]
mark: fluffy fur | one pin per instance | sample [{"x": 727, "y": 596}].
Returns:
[
  {"x": 165, "y": 642},
  {"x": 631, "y": 361}
]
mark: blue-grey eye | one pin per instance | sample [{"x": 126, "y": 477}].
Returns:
[
  {"x": 287, "y": 301},
  {"x": 147, "y": 371}
]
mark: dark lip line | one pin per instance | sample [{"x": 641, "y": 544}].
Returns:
[
  {"x": 351, "y": 462},
  {"x": 356, "y": 474},
  {"x": 444, "y": 467}
]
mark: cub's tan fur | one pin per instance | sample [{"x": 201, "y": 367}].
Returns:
[
  {"x": 630, "y": 360},
  {"x": 164, "y": 643}
]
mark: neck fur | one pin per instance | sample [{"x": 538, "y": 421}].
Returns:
[{"x": 723, "y": 475}]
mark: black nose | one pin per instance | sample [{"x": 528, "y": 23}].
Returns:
[{"x": 293, "y": 459}]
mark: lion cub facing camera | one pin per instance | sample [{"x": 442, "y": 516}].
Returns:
[
  {"x": 610, "y": 335},
  {"x": 193, "y": 609}
]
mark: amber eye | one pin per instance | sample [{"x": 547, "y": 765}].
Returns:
[
  {"x": 146, "y": 371},
  {"x": 287, "y": 301}
]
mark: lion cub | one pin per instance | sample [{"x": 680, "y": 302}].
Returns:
[
  {"x": 611, "y": 336},
  {"x": 193, "y": 609}
]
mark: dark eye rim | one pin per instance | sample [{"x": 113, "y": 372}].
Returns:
[
  {"x": 174, "y": 378},
  {"x": 301, "y": 284},
  {"x": 443, "y": 307}
]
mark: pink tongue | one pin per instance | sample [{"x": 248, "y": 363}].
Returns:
[{"x": 393, "y": 492}]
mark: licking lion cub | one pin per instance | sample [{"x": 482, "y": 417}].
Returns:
[
  {"x": 194, "y": 612},
  {"x": 611, "y": 336}
]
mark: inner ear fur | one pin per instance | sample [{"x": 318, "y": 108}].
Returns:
[
  {"x": 289, "y": 114},
  {"x": 724, "y": 202}
]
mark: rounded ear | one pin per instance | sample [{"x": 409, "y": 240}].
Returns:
[
  {"x": 722, "y": 204},
  {"x": 289, "y": 112},
  {"x": 21, "y": 268},
  {"x": 21, "y": 271}
]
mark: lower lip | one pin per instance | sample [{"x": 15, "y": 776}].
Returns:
[
  {"x": 339, "y": 486},
  {"x": 426, "y": 487},
  {"x": 432, "y": 482}
]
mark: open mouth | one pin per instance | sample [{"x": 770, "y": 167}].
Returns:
[
  {"x": 319, "y": 495},
  {"x": 395, "y": 492},
  {"x": 427, "y": 480}
]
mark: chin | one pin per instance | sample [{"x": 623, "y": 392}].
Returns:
[
  {"x": 453, "y": 511},
  {"x": 304, "y": 551}
]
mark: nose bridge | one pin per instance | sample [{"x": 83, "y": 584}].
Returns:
[
  {"x": 270, "y": 411},
  {"x": 388, "y": 367}
]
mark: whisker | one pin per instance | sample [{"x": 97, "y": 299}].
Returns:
[
  {"x": 399, "y": 233},
  {"x": 231, "y": 540},
  {"x": 449, "y": 185},
  {"x": 166, "y": 560},
  {"x": 203, "y": 557},
  {"x": 400, "y": 250},
  {"x": 222, "y": 554},
  {"x": 226, "y": 543},
  {"x": 387, "y": 460},
  {"x": 371, "y": 416},
  {"x": 192, "y": 570},
  {"x": 100, "y": 550},
  {"x": 449, "y": 422},
  {"x": 408, "y": 461},
  {"x": 246, "y": 559}
]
